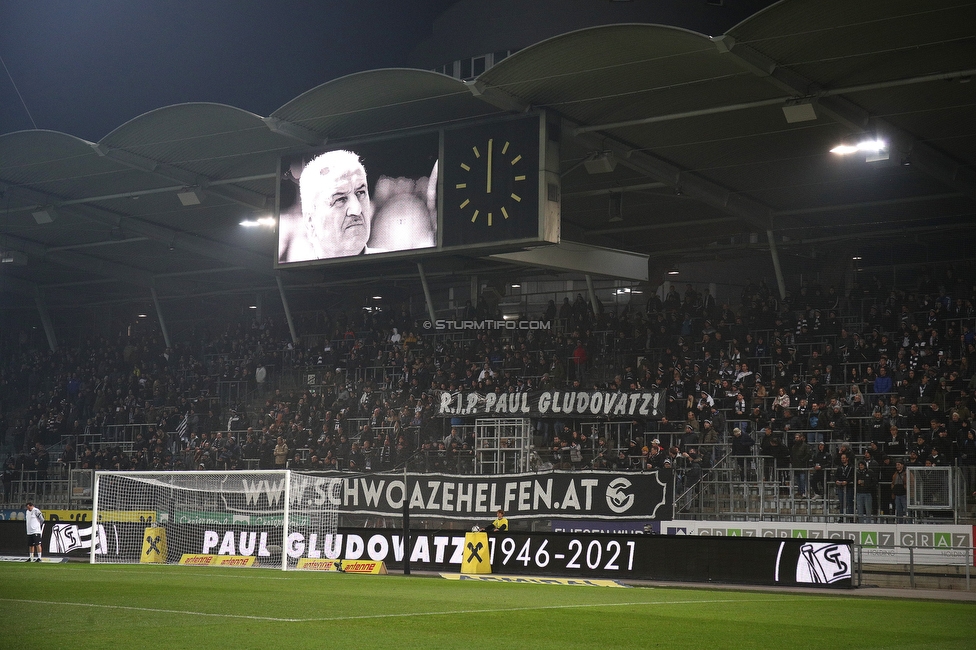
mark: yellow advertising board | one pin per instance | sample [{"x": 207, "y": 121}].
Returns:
[
  {"x": 198, "y": 559},
  {"x": 476, "y": 558},
  {"x": 153, "y": 546},
  {"x": 310, "y": 564},
  {"x": 372, "y": 567}
]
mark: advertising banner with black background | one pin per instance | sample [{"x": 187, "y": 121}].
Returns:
[
  {"x": 623, "y": 556},
  {"x": 552, "y": 404},
  {"x": 642, "y": 496}
]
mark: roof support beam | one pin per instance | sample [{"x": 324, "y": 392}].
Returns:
[
  {"x": 294, "y": 131},
  {"x": 661, "y": 226},
  {"x": 234, "y": 194},
  {"x": 206, "y": 248},
  {"x": 839, "y": 207},
  {"x": 617, "y": 189},
  {"x": 695, "y": 186},
  {"x": 793, "y": 96},
  {"x": 85, "y": 263},
  {"x": 691, "y": 184},
  {"x": 497, "y": 97},
  {"x": 159, "y": 314},
  {"x": 925, "y": 157},
  {"x": 16, "y": 285},
  {"x": 137, "y": 193},
  {"x": 52, "y": 339},
  {"x": 284, "y": 305}
]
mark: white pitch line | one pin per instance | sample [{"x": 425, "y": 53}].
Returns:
[
  {"x": 382, "y": 616},
  {"x": 227, "y": 573}
]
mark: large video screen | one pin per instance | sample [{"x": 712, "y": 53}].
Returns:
[{"x": 377, "y": 197}]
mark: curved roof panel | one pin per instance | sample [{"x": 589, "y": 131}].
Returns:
[
  {"x": 381, "y": 102},
  {"x": 697, "y": 126},
  {"x": 837, "y": 43},
  {"x": 628, "y": 72},
  {"x": 202, "y": 137},
  {"x": 49, "y": 161}
]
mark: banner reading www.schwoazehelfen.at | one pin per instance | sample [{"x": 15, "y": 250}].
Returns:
[{"x": 561, "y": 494}]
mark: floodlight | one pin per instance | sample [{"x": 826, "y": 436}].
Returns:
[
  {"x": 46, "y": 214},
  {"x": 802, "y": 112},
  {"x": 190, "y": 196},
  {"x": 600, "y": 163}
]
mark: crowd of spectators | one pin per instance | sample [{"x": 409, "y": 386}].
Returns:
[{"x": 886, "y": 371}]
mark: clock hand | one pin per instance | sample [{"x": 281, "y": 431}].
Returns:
[{"x": 488, "y": 189}]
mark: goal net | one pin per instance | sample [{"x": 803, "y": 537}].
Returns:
[{"x": 269, "y": 517}]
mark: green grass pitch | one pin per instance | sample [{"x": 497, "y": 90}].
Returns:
[{"x": 116, "y": 606}]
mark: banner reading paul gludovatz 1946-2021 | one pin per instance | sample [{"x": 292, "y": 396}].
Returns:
[
  {"x": 552, "y": 404},
  {"x": 577, "y": 495}
]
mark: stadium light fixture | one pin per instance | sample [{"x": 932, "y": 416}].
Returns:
[
  {"x": 799, "y": 112},
  {"x": 47, "y": 214},
  {"x": 190, "y": 196},
  {"x": 267, "y": 222},
  {"x": 865, "y": 145},
  {"x": 15, "y": 258},
  {"x": 601, "y": 162}
]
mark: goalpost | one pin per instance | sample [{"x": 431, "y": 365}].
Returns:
[{"x": 157, "y": 517}]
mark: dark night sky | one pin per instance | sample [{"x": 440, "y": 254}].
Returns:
[{"x": 85, "y": 68}]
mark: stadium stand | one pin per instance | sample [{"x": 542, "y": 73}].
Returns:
[{"x": 361, "y": 394}]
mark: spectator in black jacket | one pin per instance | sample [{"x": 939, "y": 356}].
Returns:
[
  {"x": 781, "y": 457},
  {"x": 822, "y": 461},
  {"x": 766, "y": 451},
  {"x": 894, "y": 444},
  {"x": 840, "y": 428},
  {"x": 742, "y": 444},
  {"x": 877, "y": 428},
  {"x": 866, "y": 480},
  {"x": 801, "y": 457},
  {"x": 967, "y": 460},
  {"x": 844, "y": 480}
]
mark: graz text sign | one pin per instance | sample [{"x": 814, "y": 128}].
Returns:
[{"x": 552, "y": 404}]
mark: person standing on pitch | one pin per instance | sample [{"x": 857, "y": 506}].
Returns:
[{"x": 35, "y": 524}]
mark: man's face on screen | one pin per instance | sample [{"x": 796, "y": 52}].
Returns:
[{"x": 339, "y": 219}]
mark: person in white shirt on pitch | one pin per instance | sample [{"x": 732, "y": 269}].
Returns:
[{"x": 35, "y": 525}]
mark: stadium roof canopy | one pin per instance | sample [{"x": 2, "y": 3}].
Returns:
[{"x": 709, "y": 162}]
